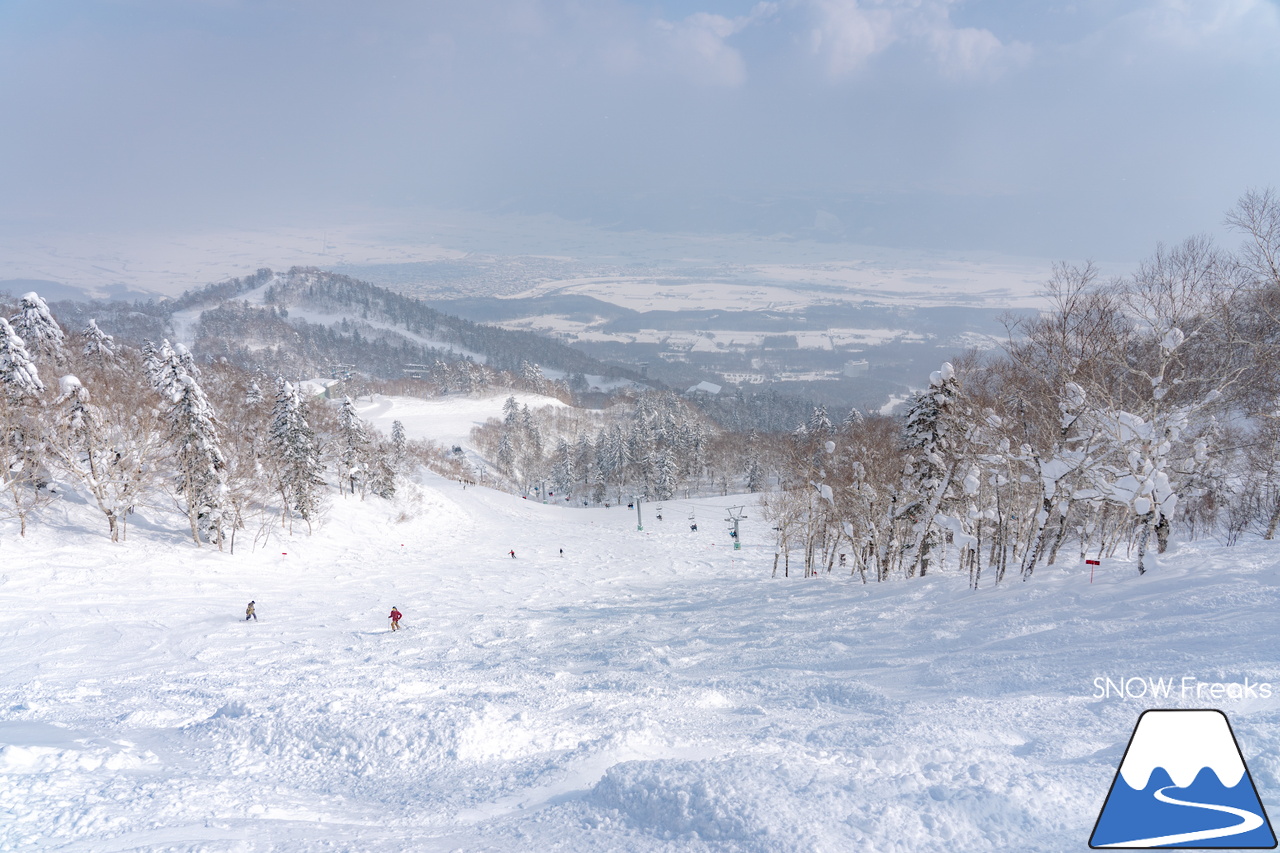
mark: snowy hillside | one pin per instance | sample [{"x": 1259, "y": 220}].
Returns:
[
  {"x": 648, "y": 690},
  {"x": 447, "y": 420}
]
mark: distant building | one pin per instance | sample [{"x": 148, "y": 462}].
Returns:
[
  {"x": 744, "y": 378},
  {"x": 856, "y": 368},
  {"x": 705, "y": 388}
]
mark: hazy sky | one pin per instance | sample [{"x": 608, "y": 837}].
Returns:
[{"x": 1091, "y": 128}]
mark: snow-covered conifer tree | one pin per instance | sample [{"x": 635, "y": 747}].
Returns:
[
  {"x": 599, "y": 485},
  {"x": 163, "y": 366},
  {"x": 691, "y": 444},
  {"x": 380, "y": 476},
  {"x": 18, "y": 374},
  {"x": 353, "y": 443},
  {"x": 151, "y": 362},
  {"x": 666, "y": 475},
  {"x": 530, "y": 429},
  {"x": 819, "y": 423},
  {"x": 532, "y": 377},
  {"x": 78, "y": 417},
  {"x": 930, "y": 436},
  {"x": 563, "y": 477},
  {"x": 506, "y": 460},
  {"x": 399, "y": 447},
  {"x": 584, "y": 464},
  {"x": 202, "y": 481},
  {"x": 193, "y": 432},
  {"x": 614, "y": 458},
  {"x": 295, "y": 452},
  {"x": 529, "y": 446},
  {"x": 98, "y": 347},
  {"x": 21, "y": 450},
  {"x": 39, "y": 331},
  {"x": 185, "y": 361}
]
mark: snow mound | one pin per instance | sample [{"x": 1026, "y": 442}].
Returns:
[
  {"x": 231, "y": 710},
  {"x": 703, "y": 800},
  {"x": 804, "y": 801}
]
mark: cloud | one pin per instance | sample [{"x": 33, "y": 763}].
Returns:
[
  {"x": 698, "y": 45},
  {"x": 969, "y": 53},
  {"x": 666, "y": 113},
  {"x": 1220, "y": 26},
  {"x": 1186, "y": 33},
  {"x": 848, "y": 34}
]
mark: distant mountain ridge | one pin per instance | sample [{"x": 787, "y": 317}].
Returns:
[{"x": 308, "y": 317}]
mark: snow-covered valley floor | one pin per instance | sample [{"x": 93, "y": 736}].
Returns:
[{"x": 650, "y": 690}]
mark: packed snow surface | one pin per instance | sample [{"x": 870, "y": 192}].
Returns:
[
  {"x": 447, "y": 420},
  {"x": 649, "y": 690}
]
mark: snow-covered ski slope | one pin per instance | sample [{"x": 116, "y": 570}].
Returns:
[
  {"x": 648, "y": 691},
  {"x": 447, "y": 420}
]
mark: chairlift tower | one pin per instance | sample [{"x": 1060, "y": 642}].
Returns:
[{"x": 735, "y": 515}]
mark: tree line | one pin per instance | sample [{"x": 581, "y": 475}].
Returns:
[
  {"x": 1129, "y": 410},
  {"x": 148, "y": 427}
]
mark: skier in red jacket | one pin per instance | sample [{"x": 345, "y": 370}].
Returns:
[{"x": 395, "y": 618}]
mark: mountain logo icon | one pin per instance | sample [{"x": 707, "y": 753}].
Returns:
[{"x": 1183, "y": 783}]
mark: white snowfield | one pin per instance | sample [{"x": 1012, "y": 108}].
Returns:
[
  {"x": 650, "y": 690},
  {"x": 447, "y": 420}
]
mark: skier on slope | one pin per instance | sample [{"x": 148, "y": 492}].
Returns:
[
  {"x": 395, "y": 618},
  {"x": 513, "y": 553},
  {"x": 249, "y": 614}
]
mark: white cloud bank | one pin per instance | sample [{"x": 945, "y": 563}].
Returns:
[{"x": 848, "y": 34}]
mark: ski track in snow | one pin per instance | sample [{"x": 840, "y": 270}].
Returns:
[{"x": 649, "y": 691}]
